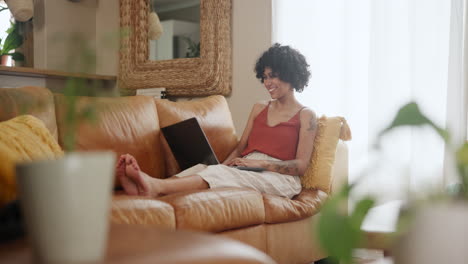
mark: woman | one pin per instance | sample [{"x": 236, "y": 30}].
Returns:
[{"x": 278, "y": 137}]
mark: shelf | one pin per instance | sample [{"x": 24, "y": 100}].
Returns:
[{"x": 32, "y": 72}]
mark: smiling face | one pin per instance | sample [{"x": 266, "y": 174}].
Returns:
[{"x": 275, "y": 86}]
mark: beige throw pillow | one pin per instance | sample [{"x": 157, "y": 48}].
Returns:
[
  {"x": 23, "y": 138},
  {"x": 319, "y": 173}
]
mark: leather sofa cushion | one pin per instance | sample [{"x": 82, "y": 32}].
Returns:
[
  {"x": 214, "y": 117},
  {"x": 124, "y": 125},
  {"x": 216, "y": 210},
  {"x": 280, "y": 209},
  {"x": 35, "y": 101},
  {"x": 142, "y": 211}
]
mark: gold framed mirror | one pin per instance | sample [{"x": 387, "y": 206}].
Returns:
[{"x": 209, "y": 74}]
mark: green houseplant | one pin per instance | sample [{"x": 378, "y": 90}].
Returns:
[
  {"x": 13, "y": 41},
  {"x": 193, "y": 49},
  {"x": 70, "y": 195},
  {"x": 339, "y": 232}
]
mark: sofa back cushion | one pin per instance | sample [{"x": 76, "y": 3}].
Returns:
[
  {"x": 23, "y": 138},
  {"x": 123, "y": 125},
  {"x": 214, "y": 117},
  {"x": 35, "y": 101}
]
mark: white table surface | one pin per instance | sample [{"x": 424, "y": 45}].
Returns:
[{"x": 382, "y": 261}]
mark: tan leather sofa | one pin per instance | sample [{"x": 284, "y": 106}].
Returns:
[{"x": 281, "y": 227}]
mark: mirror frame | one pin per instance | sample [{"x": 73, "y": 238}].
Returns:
[{"x": 207, "y": 75}]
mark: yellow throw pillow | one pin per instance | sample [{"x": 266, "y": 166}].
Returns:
[
  {"x": 23, "y": 138},
  {"x": 318, "y": 174}
]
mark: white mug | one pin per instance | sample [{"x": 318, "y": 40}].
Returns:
[{"x": 65, "y": 205}]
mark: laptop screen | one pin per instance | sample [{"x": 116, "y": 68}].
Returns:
[{"x": 189, "y": 144}]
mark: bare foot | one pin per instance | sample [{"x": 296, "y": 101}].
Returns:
[
  {"x": 128, "y": 185},
  {"x": 137, "y": 182},
  {"x": 120, "y": 167}
]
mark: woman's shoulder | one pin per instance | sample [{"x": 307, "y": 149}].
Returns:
[
  {"x": 261, "y": 103},
  {"x": 259, "y": 106},
  {"x": 307, "y": 114}
]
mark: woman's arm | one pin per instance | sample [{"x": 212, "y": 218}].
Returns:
[
  {"x": 256, "y": 109},
  {"x": 306, "y": 140},
  {"x": 304, "y": 150}
]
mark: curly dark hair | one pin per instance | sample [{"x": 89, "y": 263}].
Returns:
[{"x": 288, "y": 63}]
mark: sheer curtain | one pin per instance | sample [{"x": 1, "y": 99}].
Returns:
[{"x": 368, "y": 58}]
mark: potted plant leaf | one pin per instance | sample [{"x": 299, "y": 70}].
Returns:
[
  {"x": 13, "y": 41},
  {"x": 429, "y": 231},
  {"x": 193, "y": 48}
]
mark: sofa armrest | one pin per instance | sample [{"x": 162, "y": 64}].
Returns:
[
  {"x": 281, "y": 209},
  {"x": 309, "y": 201}
]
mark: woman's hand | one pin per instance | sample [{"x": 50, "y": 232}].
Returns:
[{"x": 246, "y": 162}]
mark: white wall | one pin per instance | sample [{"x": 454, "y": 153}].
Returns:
[
  {"x": 56, "y": 20},
  {"x": 251, "y": 35},
  {"x": 59, "y": 19},
  {"x": 107, "y": 37}
]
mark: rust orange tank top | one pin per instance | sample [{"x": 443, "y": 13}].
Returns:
[{"x": 279, "y": 141}]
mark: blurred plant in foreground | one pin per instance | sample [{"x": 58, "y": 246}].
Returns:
[{"x": 339, "y": 232}]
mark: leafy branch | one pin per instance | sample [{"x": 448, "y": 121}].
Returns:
[
  {"x": 335, "y": 224},
  {"x": 339, "y": 232},
  {"x": 13, "y": 41}
]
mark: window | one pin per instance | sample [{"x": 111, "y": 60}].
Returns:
[
  {"x": 370, "y": 57},
  {"x": 5, "y": 17}
]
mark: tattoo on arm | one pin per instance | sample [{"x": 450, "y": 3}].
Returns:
[
  {"x": 312, "y": 124},
  {"x": 288, "y": 167}
]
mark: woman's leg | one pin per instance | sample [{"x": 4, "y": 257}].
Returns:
[{"x": 136, "y": 182}]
